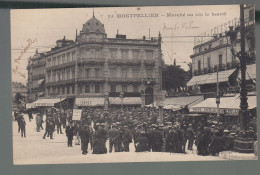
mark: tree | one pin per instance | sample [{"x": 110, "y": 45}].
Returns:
[{"x": 174, "y": 77}]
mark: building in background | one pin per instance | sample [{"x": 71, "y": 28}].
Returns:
[
  {"x": 214, "y": 54},
  {"x": 95, "y": 70},
  {"x": 36, "y": 76}
]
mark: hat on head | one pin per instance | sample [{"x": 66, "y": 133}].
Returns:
[{"x": 226, "y": 131}]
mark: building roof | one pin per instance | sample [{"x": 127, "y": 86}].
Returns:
[{"x": 93, "y": 25}]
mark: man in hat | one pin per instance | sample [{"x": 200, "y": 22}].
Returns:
[
  {"x": 84, "y": 133},
  {"x": 126, "y": 138},
  {"x": 190, "y": 136},
  {"x": 22, "y": 126},
  {"x": 120, "y": 140},
  {"x": 70, "y": 133},
  {"x": 228, "y": 140},
  {"x": 217, "y": 144},
  {"x": 156, "y": 139},
  {"x": 141, "y": 143},
  {"x": 173, "y": 140},
  {"x": 113, "y": 135},
  {"x": 38, "y": 122}
]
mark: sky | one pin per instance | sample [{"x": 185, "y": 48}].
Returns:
[{"x": 33, "y": 29}]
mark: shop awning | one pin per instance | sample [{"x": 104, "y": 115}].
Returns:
[
  {"x": 250, "y": 72},
  {"x": 47, "y": 102},
  {"x": 183, "y": 101},
  {"x": 90, "y": 101},
  {"x": 228, "y": 105},
  {"x": 197, "y": 80},
  {"x": 223, "y": 76},
  {"x": 173, "y": 107},
  {"x": 125, "y": 101}
]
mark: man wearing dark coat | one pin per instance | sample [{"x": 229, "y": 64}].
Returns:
[
  {"x": 156, "y": 139},
  {"x": 216, "y": 145},
  {"x": 126, "y": 138},
  {"x": 84, "y": 133},
  {"x": 141, "y": 142},
  {"x": 173, "y": 140},
  {"x": 99, "y": 140},
  {"x": 113, "y": 135},
  {"x": 70, "y": 133},
  {"x": 228, "y": 141},
  {"x": 22, "y": 126},
  {"x": 190, "y": 137}
]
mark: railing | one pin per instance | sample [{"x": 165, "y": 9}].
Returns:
[
  {"x": 125, "y": 80},
  {"x": 91, "y": 61},
  {"x": 124, "y": 62},
  {"x": 61, "y": 82},
  {"x": 91, "y": 79},
  {"x": 60, "y": 66}
]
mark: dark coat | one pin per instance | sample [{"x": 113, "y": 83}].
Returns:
[
  {"x": 142, "y": 144},
  {"x": 70, "y": 131},
  {"x": 99, "y": 141}
]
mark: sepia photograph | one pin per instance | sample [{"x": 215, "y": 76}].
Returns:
[{"x": 133, "y": 84}]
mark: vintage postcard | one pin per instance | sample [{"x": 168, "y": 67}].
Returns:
[{"x": 134, "y": 84}]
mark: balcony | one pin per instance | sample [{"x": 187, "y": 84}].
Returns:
[
  {"x": 91, "y": 79},
  {"x": 128, "y": 62},
  {"x": 149, "y": 81},
  {"x": 149, "y": 62},
  {"x": 60, "y": 66},
  {"x": 61, "y": 82},
  {"x": 124, "y": 80},
  {"x": 91, "y": 61},
  {"x": 126, "y": 94},
  {"x": 40, "y": 64},
  {"x": 36, "y": 77}
]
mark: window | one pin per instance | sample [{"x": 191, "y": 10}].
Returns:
[
  {"x": 251, "y": 15},
  {"x": 87, "y": 89},
  {"x": 73, "y": 73},
  {"x": 68, "y": 57},
  {"x": 124, "y": 54},
  {"x": 63, "y": 58},
  {"x": 73, "y": 89},
  {"x": 54, "y": 76},
  {"x": 113, "y": 54},
  {"x": 54, "y": 61},
  {"x": 209, "y": 62},
  {"x": 124, "y": 88},
  {"x": 63, "y": 90},
  {"x": 113, "y": 88},
  {"x": 97, "y": 88},
  {"x": 135, "y": 73},
  {"x": 220, "y": 60},
  {"x": 68, "y": 90},
  {"x": 73, "y": 55},
  {"x": 97, "y": 72},
  {"x": 113, "y": 72},
  {"x": 135, "y": 88},
  {"x": 149, "y": 55},
  {"x": 68, "y": 73},
  {"x": 124, "y": 73},
  {"x": 98, "y": 53},
  {"x": 49, "y": 91},
  {"x": 59, "y": 61},
  {"x": 87, "y": 73},
  {"x": 135, "y": 54},
  {"x": 199, "y": 65},
  {"x": 49, "y": 77},
  {"x": 149, "y": 73},
  {"x": 63, "y": 75}
]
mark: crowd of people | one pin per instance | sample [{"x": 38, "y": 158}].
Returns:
[{"x": 137, "y": 125}]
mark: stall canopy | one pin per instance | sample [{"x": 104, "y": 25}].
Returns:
[
  {"x": 223, "y": 76},
  {"x": 228, "y": 105},
  {"x": 250, "y": 72},
  {"x": 173, "y": 107},
  {"x": 90, "y": 101},
  {"x": 183, "y": 101},
  {"x": 29, "y": 106},
  {"x": 197, "y": 80},
  {"x": 125, "y": 101},
  {"x": 47, "y": 102}
]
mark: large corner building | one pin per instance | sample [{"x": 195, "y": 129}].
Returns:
[{"x": 95, "y": 70}]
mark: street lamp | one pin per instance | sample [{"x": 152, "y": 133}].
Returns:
[
  {"x": 244, "y": 142},
  {"x": 121, "y": 95}
]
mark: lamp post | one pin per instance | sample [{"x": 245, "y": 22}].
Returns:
[
  {"x": 121, "y": 95},
  {"x": 244, "y": 142},
  {"x": 218, "y": 96}
]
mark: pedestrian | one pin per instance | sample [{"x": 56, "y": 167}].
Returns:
[
  {"x": 113, "y": 135},
  {"x": 142, "y": 142},
  {"x": 99, "y": 139},
  {"x": 58, "y": 124},
  {"x": 156, "y": 139},
  {"x": 217, "y": 144},
  {"x": 84, "y": 133},
  {"x": 70, "y": 133},
  {"x": 228, "y": 141},
  {"x": 126, "y": 138},
  {"x": 190, "y": 137},
  {"x": 22, "y": 126},
  {"x": 38, "y": 122},
  {"x": 173, "y": 140}
]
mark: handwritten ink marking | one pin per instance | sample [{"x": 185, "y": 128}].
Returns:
[
  {"x": 29, "y": 44},
  {"x": 183, "y": 25}
]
